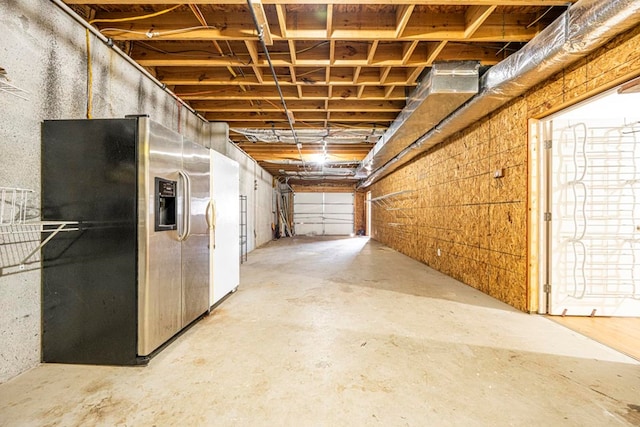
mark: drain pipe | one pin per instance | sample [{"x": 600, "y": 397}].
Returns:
[
  {"x": 583, "y": 28},
  {"x": 109, "y": 42}
]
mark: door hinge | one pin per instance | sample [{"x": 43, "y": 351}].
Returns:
[
  {"x": 546, "y": 288},
  {"x": 547, "y": 216},
  {"x": 548, "y": 144}
]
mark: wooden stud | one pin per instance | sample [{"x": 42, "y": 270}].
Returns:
[
  {"x": 407, "y": 51},
  {"x": 372, "y": 51},
  {"x": 475, "y": 17},
  {"x": 329, "y": 20},
  {"x": 282, "y": 19},
  {"x": 403, "y": 14},
  {"x": 434, "y": 50}
]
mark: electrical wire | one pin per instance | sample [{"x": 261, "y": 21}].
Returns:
[
  {"x": 177, "y": 52},
  {"x": 136, "y": 18},
  {"x": 151, "y": 34},
  {"x": 200, "y": 17},
  {"x": 182, "y": 53},
  {"x": 540, "y": 17}
]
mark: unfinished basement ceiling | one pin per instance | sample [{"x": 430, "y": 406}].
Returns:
[{"x": 345, "y": 68}]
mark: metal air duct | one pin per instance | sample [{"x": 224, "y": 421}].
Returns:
[
  {"x": 445, "y": 88},
  {"x": 586, "y": 26}
]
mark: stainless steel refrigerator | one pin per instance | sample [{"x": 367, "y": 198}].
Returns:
[{"x": 137, "y": 272}]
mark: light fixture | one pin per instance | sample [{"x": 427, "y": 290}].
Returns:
[{"x": 319, "y": 159}]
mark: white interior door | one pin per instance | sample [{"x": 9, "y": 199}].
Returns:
[
  {"x": 323, "y": 214},
  {"x": 225, "y": 238},
  {"x": 594, "y": 236}
]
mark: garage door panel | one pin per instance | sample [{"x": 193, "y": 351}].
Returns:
[
  {"x": 308, "y": 209},
  {"x": 338, "y": 198},
  {"x": 304, "y": 198},
  {"x": 309, "y": 229},
  {"x": 323, "y": 213},
  {"x": 338, "y": 229}
]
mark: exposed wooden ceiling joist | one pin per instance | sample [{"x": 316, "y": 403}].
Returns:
[
  {"x": 345, "y": 65},
  {"x": 324, "y": 2}
]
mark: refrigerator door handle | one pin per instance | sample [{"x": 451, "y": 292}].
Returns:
[
  {"x": 186, "y": 213},
  {"x": 211, "y": 215},
  {"x": 211, "y": 220}
]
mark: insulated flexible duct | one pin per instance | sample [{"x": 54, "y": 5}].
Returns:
[{"x": 586, "y": 26}]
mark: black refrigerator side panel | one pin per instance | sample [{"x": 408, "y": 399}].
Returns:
[{"x": 89, "y": 280}]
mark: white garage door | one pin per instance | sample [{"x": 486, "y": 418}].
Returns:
[{"x": 323, "y": 214}]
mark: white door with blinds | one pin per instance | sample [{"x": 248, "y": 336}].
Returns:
[
  {"x": 323, "y": 214},
  {"x": 594, "y": 219}
]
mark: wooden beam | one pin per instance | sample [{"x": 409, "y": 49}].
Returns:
[
  {"x": 408, "y": 49},
  {"x": 282, "y": 20},
  {"x": 433, "y": 50},
  {"x": 502, "y": 27},
  {"x": 332, "y": 52},
  {"x": 413, "y": 74},
  {"x": 403, "y": 14},
  {"x": 320, "y": 124},
  {"x": 230, "y": 92},
  {"x": 263, "y": 24},
  {"x": 474, "y": 17},
  {"x": 372, "y": 51},
  {"x": 384, "y": 73},
  {"x": 355, "y": 2},
  {"x": 356, "y": 74},
  {"x": 245, "y": 106},
  {"x": 292, "y": 52},
  {"x": 261, "y": 149},
  {"x": 258, "y": 72},
  {"x": 388, "y": 91},
  {"x": 329, "y": 21},
  {"x": 252, "y": 48},
  {"x": 292, "y": 73}
]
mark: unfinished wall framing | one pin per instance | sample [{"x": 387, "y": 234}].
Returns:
[{"x": 470, "y": 216}]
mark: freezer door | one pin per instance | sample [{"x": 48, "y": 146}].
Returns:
[
  {"x": 225, "y": 258},
  {"x": 159, "y": 252},
  {"x": 195, "y": 245}
]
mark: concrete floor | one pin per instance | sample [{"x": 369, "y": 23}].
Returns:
[{"x": 334, "y": 332}]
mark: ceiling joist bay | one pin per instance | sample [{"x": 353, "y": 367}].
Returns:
[{"x": 344, "y": 67}]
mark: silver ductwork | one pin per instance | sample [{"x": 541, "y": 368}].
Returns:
[
  {"x": 586, "y": 26},
  {"x": 445, "y": 88}
]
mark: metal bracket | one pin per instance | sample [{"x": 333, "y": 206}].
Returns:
[{"x": 44, "y": 242}]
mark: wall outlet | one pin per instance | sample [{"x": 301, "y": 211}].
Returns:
[
  {"x": 498, "y": 173},
  {"x": 439, "y": 252}
]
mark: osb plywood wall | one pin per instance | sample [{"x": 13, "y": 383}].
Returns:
[
  {"x": 452, "y": 214},
  {"x": 359, "y": 212}
]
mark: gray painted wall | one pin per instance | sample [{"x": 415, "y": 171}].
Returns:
[
  {"x": 256, "y": 184},
  {"x": 43, "y": 51}
]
